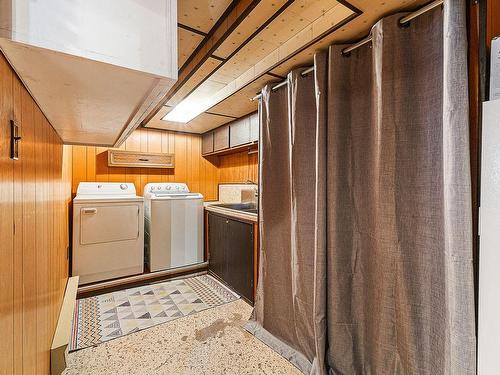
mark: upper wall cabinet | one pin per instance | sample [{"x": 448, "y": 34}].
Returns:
[
  {"x": 221, "y": 138},
  {"x": 232, "y": 137},
  {"x": 136, "y": 159},
  {"x": 254, "y": 127},
  {"x": 96, "y": 68},
  {"x": 207, "y": 143},
  {"x": 240, "y": 132}
]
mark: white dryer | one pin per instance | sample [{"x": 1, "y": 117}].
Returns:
[
  {"x": 108, "y": 231},
  {"x": 173, "y": 230}
]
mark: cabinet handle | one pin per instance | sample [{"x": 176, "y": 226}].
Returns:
[
  {"x": 89, "y": 210},
  {"x": 14, "y": 140}
]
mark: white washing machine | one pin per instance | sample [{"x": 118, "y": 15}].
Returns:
[
  {"x": 108, "y": 231},
  {"x": 173, "y": 230}
]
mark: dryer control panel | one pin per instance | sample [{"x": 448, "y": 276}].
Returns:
[{"x": 105, "y": 189}]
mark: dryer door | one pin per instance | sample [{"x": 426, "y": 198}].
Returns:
[{"x": 108, "y": 223}]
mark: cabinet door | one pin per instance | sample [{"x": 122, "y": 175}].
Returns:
[
  {"x": 217, "y": 229},
  {"x": 207, "y": 143},
  {"x": 254, "y": 127},
  {"x": 221, "y": 138},
  {"x": 239, "y": 258},
  {"x": 239, "y": 133}
]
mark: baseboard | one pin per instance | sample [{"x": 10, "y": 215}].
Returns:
[
  {"x": 60, "y": 342},
  {"x": 135, "y": 280}
]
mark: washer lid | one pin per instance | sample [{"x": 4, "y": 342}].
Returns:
[{"x": 172, "y": 196}]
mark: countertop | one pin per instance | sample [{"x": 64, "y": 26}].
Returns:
[{"x": 236, "y": 214}]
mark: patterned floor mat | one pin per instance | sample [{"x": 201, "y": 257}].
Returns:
[{"x": 112, "y": 315}]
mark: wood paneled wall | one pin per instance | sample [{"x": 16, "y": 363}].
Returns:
[
  {"x": 34, "y": 194},
  {"x": 91, "y": 164},
  {"x": 240, "y": 167},
  {"x": 201, "y": 174}
]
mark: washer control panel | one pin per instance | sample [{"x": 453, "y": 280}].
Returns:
[{"x": 166, "y": 188}]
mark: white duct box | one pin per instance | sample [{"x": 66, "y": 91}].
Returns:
[
  {"x": 96, "y": 68},
  {"x": 495, "y": 69}
]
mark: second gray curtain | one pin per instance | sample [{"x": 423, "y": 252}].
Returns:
[
  {"x": 287, "y": 316},
  {"x": 400, "y": 280},
  {"x": 365, "y": 208}
]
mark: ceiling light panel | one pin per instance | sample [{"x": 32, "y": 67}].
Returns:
[{"x": 205, "y": 70}]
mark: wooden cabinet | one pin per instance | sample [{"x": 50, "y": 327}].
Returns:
[
  {"x": 231, "y": 253},
  {"x": 207, "y": 143},
  {"x": 121, "y": 158},
  {"x": 254, "y": 127},
  {"x": 239, "y": 133},
  {"x": 216, "y": 239},
  {"x": 239, "y": 258},
  {"x": 233, "y": 137},
  {"x": 221, "y": 138}
]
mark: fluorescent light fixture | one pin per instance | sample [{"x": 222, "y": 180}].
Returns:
[
  {"x": 195, "y": 104},
  {"x": 186, "y": 110}
]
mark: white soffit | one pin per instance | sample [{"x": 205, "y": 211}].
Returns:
[
  {"x": 96, "y": 69},
  {"x": 87, "y": 102}
]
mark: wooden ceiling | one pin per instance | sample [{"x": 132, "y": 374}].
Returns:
[{"x": 228, "y": 50}]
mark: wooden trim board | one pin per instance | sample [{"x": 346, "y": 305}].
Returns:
[
  {"x": 60, "y": 342},
  {"x": 143, "y": 277}
]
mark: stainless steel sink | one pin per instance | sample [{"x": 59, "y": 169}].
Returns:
[{"x": 245, "y": 207}]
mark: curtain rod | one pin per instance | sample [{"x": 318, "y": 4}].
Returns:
[
  {"x": 366, "y": 40},
  {"x": 283, "y": 83},
  {"x": 402, "y": 21}
]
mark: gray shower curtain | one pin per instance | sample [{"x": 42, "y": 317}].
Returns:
[
  {"x": 288, "y": 205},
  {"x": 365, "y": 206}
]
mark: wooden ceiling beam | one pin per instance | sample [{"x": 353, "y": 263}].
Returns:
[
  {"x": 238, "y": 48},
  {"x": 232, "y": 17},
  {"x": 191, "y": 29}
]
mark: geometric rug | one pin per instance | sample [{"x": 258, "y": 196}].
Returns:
[{"x": 108, "y": 316}]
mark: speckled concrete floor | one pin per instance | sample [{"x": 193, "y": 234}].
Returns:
[{"x": 209, "y": 342}]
